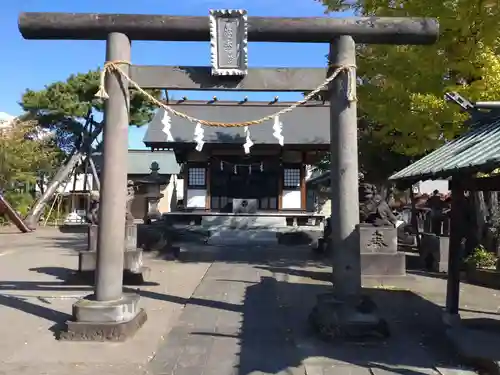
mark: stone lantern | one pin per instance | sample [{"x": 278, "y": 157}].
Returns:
[{"x": 151, "y": 186}]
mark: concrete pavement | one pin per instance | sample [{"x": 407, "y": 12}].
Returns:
[
  {"x": 35, "y": 300},
  {"x": 218, "y": 311}
]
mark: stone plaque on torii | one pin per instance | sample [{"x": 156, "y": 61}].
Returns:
[{"x": 102, "y": 317}]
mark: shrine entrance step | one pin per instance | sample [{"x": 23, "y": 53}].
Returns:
[
  {"x": 243, "y": 221},
  {"x": 242, "y": 237}
]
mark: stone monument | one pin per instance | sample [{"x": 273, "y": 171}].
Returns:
[
  {"x": 378, "y": 237},
  {"x": 134, "y": 271}
]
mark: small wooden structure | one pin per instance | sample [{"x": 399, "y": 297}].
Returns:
[{"x": 460, "y": 160}]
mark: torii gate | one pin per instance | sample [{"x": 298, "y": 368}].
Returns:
[{"x": 110, "y": 314}]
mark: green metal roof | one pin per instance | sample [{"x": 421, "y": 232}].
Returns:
[
  {"x": 478, "y": 150},
  {"x": 139, "y": 161}
]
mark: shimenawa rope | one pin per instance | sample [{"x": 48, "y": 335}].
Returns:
[{"x": 113, "y": 66}]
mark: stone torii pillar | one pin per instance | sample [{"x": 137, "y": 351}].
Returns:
[{"x": 109, "y": 311}]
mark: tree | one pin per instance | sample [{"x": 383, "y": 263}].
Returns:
[
  {"x": 377, "y": 160},
  {"x": 23, "y": 156},
  {"x": 68, "y": 109},
  {"x": 63, "y": 107},
  {"x": 403, "y": 86}
]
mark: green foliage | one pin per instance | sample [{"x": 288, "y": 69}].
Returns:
[
  {"x": 403, "y": 86},
  {"x": 22, "y": 160},
  {"x": 55, "y": 211},
  {"x": 63, "y": 106},
  {"x": 481, "y": 258},
  {"x": 377, "y": 160},
  {"x": 21, "y": 202}
]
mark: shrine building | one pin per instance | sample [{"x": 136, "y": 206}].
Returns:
[{"x": 221, "y": 179}]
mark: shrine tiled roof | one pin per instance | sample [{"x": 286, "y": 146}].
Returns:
[
  {"x": 306, "y": 125},
  {"x": 478, "y": 150}
]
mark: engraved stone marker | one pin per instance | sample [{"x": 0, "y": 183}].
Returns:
[{"x": 228, "y": 42}]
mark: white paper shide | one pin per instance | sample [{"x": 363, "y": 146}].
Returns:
[
  {"x": 277, "y": 130},
  {"x": 163, "y": 118},
  {"x": 248, "y": 141},
  {"x": 199, "y": 134}
]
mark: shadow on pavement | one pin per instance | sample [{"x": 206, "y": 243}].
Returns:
[
  {"x": 247, "y": 316},
  {"x": 256, "y": 322},
  {"x": 276, "y": 255},
  {"x": 269, "y": 333},
  {"x": 417, "y": 334},
  {"x": 21, "y": 304}
]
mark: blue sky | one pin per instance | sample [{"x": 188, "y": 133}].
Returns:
[{"x": 33, "y": 64}]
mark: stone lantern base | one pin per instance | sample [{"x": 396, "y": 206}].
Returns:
[{"x": 133, "y": 270}]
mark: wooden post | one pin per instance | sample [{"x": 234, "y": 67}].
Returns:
[
  {"x": 280, "y": 182},
  {"x": 208, "y": 178},
  {"x": 303, "y": 194},
  {"x": 344, "y": 175},
  {"x": 414, "y": 219},
  {"x": 455, "y": 252}
]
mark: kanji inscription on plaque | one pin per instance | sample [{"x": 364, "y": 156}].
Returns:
[
  {"x": 228, "y": 42},
  {"x": 377, "y": 241}
]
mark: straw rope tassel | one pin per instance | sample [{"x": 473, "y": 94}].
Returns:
[
  {"x": 351, "y": 84},
  {"x": 102, "y": 89}
]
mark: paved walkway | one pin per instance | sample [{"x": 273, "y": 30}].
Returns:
[
  {"x": 35, "y": 300},
  {"x": 249, "y": 316},
  {"x": 220, "y": 310}
]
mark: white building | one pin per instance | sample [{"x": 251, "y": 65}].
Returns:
[
  {"x": 428, "y": 186},
  {"x": 6, "y": 120}
]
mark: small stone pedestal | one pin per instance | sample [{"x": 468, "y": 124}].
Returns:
[
  {"x": 355, "y": 319},
  {"x": 379, "y": 251},
  {"x": 133, "y": 270},
  {"x": 105, "y": 320},
  {"x": 434, "y": 252}
]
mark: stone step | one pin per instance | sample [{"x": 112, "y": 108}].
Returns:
[
  {"x": 244, "y": 222},
  {"x": 238, "y": 237}
]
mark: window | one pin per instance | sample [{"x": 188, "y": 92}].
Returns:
[
  {"x": 291, "y": 178},
  {"x": 196, "y": 177}
]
